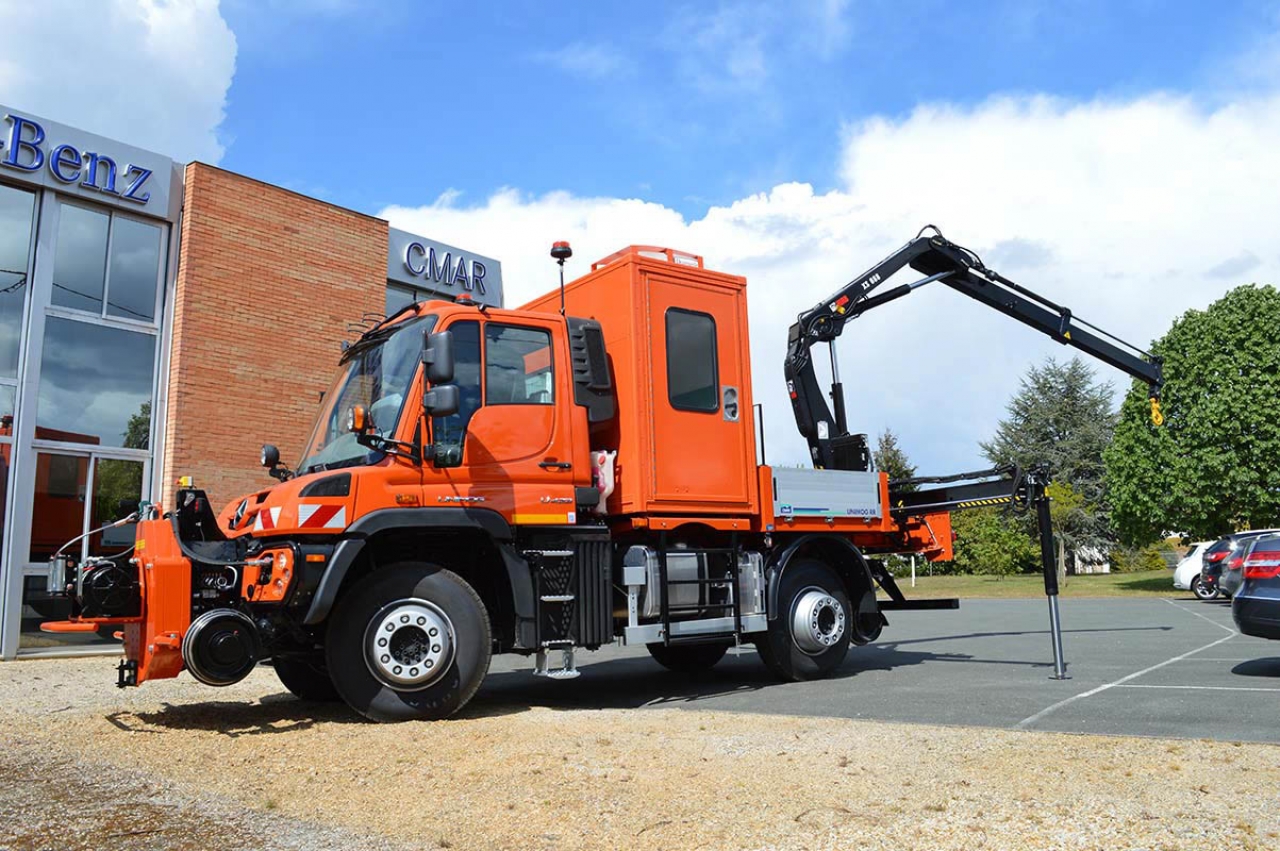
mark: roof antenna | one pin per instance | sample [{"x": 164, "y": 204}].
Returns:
[{"x": 562, "y": 252}]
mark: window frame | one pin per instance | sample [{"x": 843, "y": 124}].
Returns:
[
  {"x": 715, "y": 360},
  {"x": 162, "y": 248}
]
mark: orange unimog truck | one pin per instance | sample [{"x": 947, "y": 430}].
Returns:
[{"x": 579, "y": 471}]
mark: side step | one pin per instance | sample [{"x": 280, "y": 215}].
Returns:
[{"x": 567, "y": 669}]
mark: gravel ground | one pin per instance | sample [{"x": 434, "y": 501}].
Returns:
[{"x": 176, "y": 765}]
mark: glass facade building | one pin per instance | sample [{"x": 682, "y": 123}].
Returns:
[{"x": 85, "y": 275}]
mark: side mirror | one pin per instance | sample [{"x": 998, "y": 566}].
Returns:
[
  {"x": 437, "y": 354},
  {"x": 441, "y": 401},
  {"x": 358, "y": 419},
  {"x": 270, "y": 456}
]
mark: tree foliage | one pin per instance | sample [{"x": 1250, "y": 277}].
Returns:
[
  {"x": 991, "y": 541},
  {"x": 1063, "y": 416},
  {"x": 891, "y": 458},
  {"x": 1215, "y": 463}
]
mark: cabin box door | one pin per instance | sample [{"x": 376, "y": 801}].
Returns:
[{"x": 699, "y": 430}]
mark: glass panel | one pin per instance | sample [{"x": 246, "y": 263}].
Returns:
[
  {"x": 117, "y": 490},
  {"x": 377, "y": 374},
  {"x": 57, "y": 511},
  {"x": 448, "y": 432},
  {"x": 135, "y": 270},
  {"x": 398, "y": 298},
  {"x": 8, "y": 395},
  {"x": 58, "y": 517},
  {"x": 517, "y": 369},
  {"x": 16, "y": 211},
  {"x": 80, "y": 260},
  {"x": 95, "y": 384},
  {"x": 691, "y": 361}
]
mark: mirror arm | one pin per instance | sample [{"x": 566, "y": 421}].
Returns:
[
  {"x": 281, "y": 473},
  {"x": 400, "y": 448}
]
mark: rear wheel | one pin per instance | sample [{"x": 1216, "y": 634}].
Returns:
[
  {"x": 687, "y": 658},
  {"x": 306, "y": 677},
  {"x": 810, "y": 637},
  {"x": 1201, "y": 590},
  {"x": 410, "y": 641}
]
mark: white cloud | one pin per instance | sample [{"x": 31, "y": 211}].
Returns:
[
  {"x": 152, "y": 72},
  {"x": 1120, "y": 210},
  {"x": 596, "y": 61}
]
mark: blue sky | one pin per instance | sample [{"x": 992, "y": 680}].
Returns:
[
  {"x": 1118, "y": 157},
  {"x": 686, "y": 104}
]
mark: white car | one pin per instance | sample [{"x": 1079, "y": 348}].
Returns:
[{"x": 1187, "y": 574}]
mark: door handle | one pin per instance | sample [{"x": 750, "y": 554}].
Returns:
[{"x": 555, "y": 465}]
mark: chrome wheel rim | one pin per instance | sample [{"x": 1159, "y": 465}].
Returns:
[
  {"x": 409, "y": 644},
  {"x": 817, "y": 621}
]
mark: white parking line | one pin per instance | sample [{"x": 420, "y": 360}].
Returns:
[
  {"x": 1048, "y": 710},
  {"x": 1204, "y": 688}
]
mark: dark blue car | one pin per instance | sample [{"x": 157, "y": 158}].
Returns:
[{"x": 1256, "y": 607}]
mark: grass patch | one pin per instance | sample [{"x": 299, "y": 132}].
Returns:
[{"x": 1153, "y": 583}]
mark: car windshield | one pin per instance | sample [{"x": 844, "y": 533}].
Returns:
[{"x": 376, "y": 373}]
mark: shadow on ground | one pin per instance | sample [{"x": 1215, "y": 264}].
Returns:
[
  {"x": 274, "y": 713},
  {"x": 616, "y": 683},
  {"x": 1269, "y": 667}
]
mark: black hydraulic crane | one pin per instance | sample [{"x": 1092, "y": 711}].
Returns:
[{"x": 938, "y": 259}]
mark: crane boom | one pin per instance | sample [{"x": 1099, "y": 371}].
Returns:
[{"x": 938, "y": 259}]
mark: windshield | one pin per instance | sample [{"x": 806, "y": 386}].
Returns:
[{"x": 376, "y": 373}]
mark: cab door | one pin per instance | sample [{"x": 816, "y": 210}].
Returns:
[
  {"x": 513, "y": 425},
  {"x": 700, "y": 429}
]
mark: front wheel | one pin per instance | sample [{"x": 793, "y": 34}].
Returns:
[
  {"x": 810, "y": 637},
  {"x": 409, "y": 642},
  {"x": 1201, "y": 590}
]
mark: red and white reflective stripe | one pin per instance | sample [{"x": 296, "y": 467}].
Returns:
[
  {"x": 322, "y": 516},
  {"x": 266, "y": 520}
]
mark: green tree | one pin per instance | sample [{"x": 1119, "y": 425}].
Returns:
[
  {"x": 1061, "y": 415},
  {"x": 891, "y": 459},
  {"x": 991, "y": 541},
  {"x": 1215, "y": 463},
  {"x": 137, "y": 433}
]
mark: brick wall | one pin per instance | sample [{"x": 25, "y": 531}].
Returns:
[{"x": 267, "y": 282}]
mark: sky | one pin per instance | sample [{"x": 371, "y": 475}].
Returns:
[{"x": 1118, "y": 157}]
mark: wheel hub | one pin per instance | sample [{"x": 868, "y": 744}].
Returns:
[
  {"x": 409, "y": 644},
  {"x": 817, "y": 622}
]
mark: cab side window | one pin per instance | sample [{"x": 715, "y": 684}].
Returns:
[
  {"x": 692, "y": 383},
  {"x": 517, "y": 366},
  {"x": 449, "y": 433}
]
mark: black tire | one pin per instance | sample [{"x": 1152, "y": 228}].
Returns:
[
  {"x": 779, "y": 649},
  {"x": 356, "y": 624},
  {"x": 307, "y": 678},
  {"x": 687, "y": 658},
  {"x": 1201, "y": 591}
]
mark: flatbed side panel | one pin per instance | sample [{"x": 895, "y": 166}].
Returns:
[{"x": 845, "y": 501}]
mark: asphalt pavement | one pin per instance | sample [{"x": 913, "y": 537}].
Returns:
[{"x": 1148, "y": 667}]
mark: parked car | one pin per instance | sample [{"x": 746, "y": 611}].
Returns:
[
  {"x": 1256, "y": 607},
  {"x": 1222, "y": 551},
  {"x": 1187, "y": 574}
]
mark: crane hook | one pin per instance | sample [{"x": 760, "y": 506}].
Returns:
[{"x": 1157, "y": 418}]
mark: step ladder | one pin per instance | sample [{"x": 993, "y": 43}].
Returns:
[
  {"x": 733, "y": 604},
  {"x": 555, "y": 598}
]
